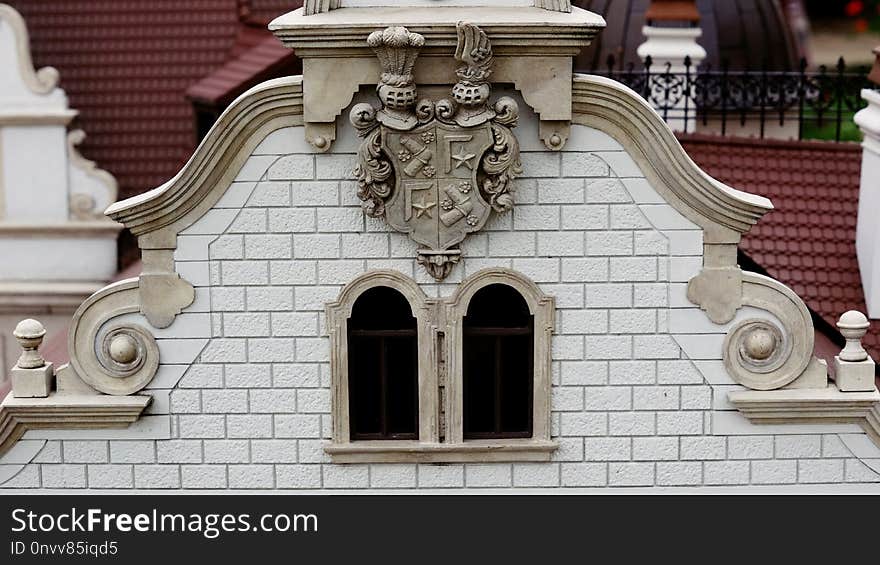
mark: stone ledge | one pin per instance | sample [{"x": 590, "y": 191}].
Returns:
[
  {"x": 74, "y": 229},
  {"x": 811, "y": 406},
  {"x": 482, "y": 451},
  {"x": 18, "y": 415},
  {"x": 516, "y": 31},
  {"x": 32, "y": 298}
]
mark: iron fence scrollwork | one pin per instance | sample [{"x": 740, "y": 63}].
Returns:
[{"x": 812, "y": 101}]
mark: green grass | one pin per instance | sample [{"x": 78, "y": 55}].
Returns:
[{"x": 849, "y": 131}]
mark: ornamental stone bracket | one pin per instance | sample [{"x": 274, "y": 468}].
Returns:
[
  {"x": 534, "y": 49},
  {"x": 436, "y": 170}
]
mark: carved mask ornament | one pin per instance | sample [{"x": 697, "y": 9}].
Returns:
[{"x": 436, "y": 171}]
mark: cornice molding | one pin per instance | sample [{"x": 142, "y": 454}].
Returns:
[
  {"x": 811, "y": 406},
  {"x": 515, "y": 31},
  {"x": 82, "y": 229},
  {"x": 311, "y": 7},
  {"x": 18, "y": 297},
  {"x": 37, "y": 117},
  {"x": 723, "y": 212},
  {"x": 18, "y": 415}
]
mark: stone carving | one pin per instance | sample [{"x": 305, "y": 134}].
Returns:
[
  {"x": 436, "y": 171},
  {"x": 112, "y": 356},
  {"x": 765, "y": 355}
]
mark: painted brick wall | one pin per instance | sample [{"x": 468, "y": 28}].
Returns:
[{"x": 242, "y": 399}]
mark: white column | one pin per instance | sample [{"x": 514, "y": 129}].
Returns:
[
  {"x": 868, "y": 228},
  {"x": 671, "y": 46}
]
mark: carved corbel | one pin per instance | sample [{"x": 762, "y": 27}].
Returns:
[
  {"x": 718, "y": 292},
  {"x": 163, "y": 293}
]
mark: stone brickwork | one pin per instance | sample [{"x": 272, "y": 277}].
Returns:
[{"x": 242, "y": 399}]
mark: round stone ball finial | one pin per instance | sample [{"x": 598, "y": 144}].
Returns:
[
  {"x": 760, "y": 344},
  {"x": 29, "y": 334},
  {"x": 853, "y": 325},
  {"x": 123, "y": 349}
]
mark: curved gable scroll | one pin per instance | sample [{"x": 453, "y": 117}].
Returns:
[
  {"x": 723, "y": 212},
  {"x": 157, "y": 216}
]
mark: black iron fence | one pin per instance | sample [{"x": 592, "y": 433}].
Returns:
[{"x": 802, "y": 104}]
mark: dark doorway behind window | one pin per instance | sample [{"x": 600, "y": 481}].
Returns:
[
  {"x": 499, "y": 345},
  {"x": 383, "y": 367}
]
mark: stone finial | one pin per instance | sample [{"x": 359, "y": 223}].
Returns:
[
  {"x": 853, "y": 325},
  {"x": 854, "y": 368},
  {"x": 29, "y": 334},
  {"x": 874, "y": 75},
  {"x": 32, "y": 376}
]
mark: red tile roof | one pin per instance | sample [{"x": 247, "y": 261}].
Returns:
[
  {"x": 256, "y": 56},
  {"x": 125, "y": 65},
  {"x": 808, "y": 241},
  {"x": 267, "y": 10}
]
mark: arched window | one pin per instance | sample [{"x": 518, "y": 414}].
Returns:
[
  {"x": 383, "y": 367},
  {"x": 498, "y": 364}
]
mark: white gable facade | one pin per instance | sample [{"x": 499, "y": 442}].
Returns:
[{"x": 667, "y": 366}]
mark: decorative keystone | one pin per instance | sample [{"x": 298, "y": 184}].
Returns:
[
  {"x": 854, "y": 368},
  {"x": 32, "y": 377},
  {"x": 29, "y": 334}
]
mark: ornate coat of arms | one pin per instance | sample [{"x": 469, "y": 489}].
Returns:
[{"x": 436, "y": 171}]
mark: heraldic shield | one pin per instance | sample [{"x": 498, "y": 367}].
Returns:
[
  {"x": 435, "y": 171},
  {"x": 436, "y": 199}
]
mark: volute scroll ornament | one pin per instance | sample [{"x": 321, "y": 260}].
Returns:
[{"x": 436, "y": 170}]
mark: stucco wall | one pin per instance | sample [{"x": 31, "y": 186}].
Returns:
[{"x": 242, "y": 399}]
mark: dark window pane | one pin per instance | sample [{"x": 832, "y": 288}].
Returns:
[
  {"x": 382, "y": 367},
  {"x": 479, "y": 385},
  {"x": 516, "y": 393},
  {"x": 498, "y": 360},
  {"x": 365, "y": 385},
  {"x": 381, "y": 308},
  {"x": 402, "y": 355}
]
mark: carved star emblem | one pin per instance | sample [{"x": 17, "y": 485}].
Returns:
[
  {"x": 423, "y": 209},
  {"x": 463, "y": 158}
]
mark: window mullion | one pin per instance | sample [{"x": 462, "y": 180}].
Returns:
[
  {"x": 497, "y": 376},
  {"x": 383, "y": 386}
]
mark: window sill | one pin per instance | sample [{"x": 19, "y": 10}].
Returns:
[{"x": 477, "y": 451}]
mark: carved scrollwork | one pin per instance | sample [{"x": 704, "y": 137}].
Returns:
[
  {"x": 420, "y": 160},
  {"x": 113, "y": 357},
  {"x": 765, "y": 355},
  {"x": 373, "y": 173}
]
